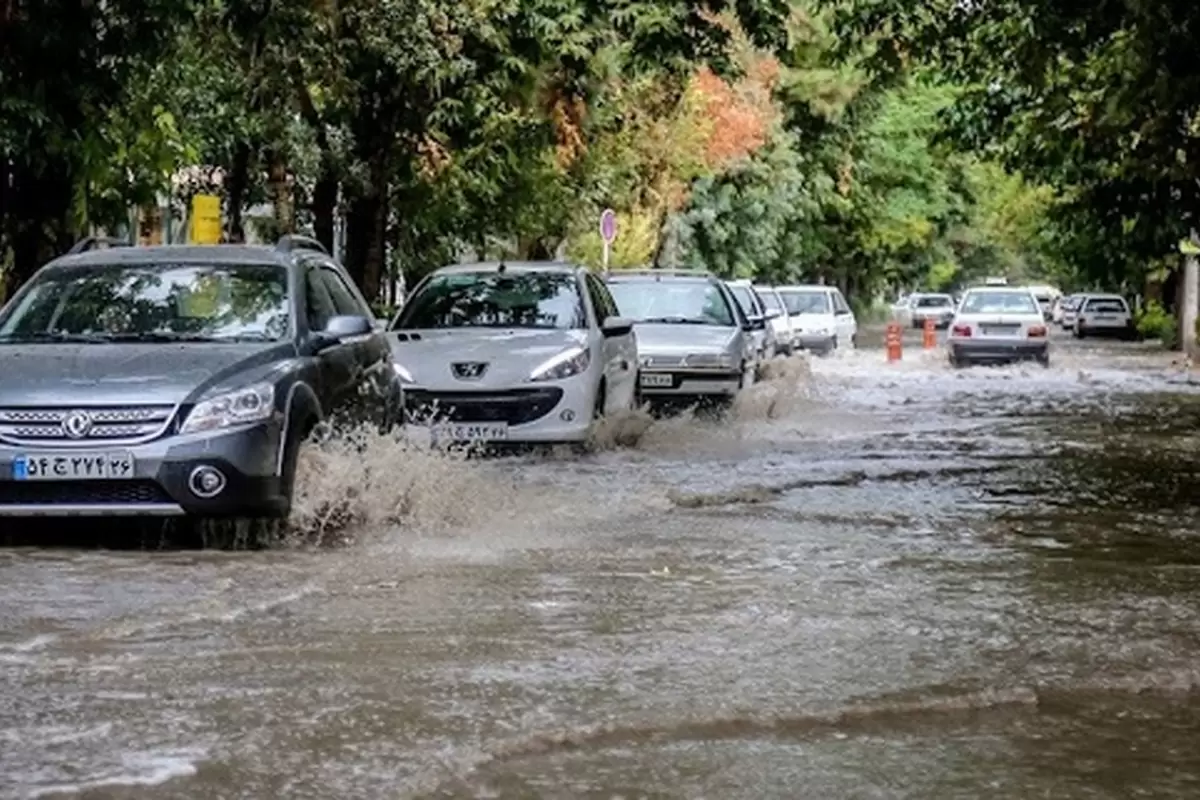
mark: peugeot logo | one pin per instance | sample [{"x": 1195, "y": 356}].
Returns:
[
  {"x": 469, "y": 370},
  {"x": 77, "y": 424}
]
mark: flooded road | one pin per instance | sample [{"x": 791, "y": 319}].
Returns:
[{"x": 875, "y": 581}]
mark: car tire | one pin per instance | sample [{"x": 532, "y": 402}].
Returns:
[
  {"x": 1078, "y": 332},
  {"x": 601, "y": 401},
  {"x": 1044, "y": 360}
]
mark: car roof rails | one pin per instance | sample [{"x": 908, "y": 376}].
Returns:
[
  {"x": 291, "y": 241},
  {"x": 95, "y": 242},
  {"x": 658, "y": 272}
]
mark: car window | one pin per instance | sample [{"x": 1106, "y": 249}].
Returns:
[
  {"x": 494, "y": 299},
  {"x": 934, "y": 301},
  {"x": 745, "y": 300},
  {"x": 343, "y": 299},
  {"x": 839, "y": 302},
  {"x": 1107, "y": 305},
  {"x": 318, "y": 304},
  {"x": 806, "y": 301},
  {"x": 610, "y": 304},
  {"x": 153, "y": 301},
  {"x": 770, "y": 300},
  {"x": 983, "y": 302},
  {"x": 686, "y": 301},
  {"x": 600, "y": 300}
]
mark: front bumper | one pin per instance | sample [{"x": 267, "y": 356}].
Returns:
[
  {"x": 529, "y": 413},
  {"x": 997, "y": 350},
  {"x": 688, "y": 383},
  {"x": 250, "y": 459},
  {"x": 816, "y": 342}
]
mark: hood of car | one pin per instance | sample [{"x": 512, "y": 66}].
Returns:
[
  {"x": 124, "y": 374},
  {"x": 656, "y": 338},
  {"x": 486, "y": 358}
]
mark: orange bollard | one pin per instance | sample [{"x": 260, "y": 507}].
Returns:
[
  {"x": 893, "y": 341},
  {"x": 929, "y": 340}
]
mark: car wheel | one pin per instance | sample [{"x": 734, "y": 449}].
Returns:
[
  {"x": 1078, "y": 332},
  {"x": 854, "y": 341},
  {"x": 1044, "y": 360},
  {"x": 601, "y": 401}
]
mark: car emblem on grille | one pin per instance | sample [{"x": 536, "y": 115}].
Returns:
[
  {"x": 469, "y": 370},
  {"x": 77, "y": 424}
]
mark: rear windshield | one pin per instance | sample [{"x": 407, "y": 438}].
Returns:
[
  {"x": 1107, "y": 305},
  {"x": 800, "y": 301},
  {"x": 934, "y": 301},
  {"x": 984, "y": 302}
]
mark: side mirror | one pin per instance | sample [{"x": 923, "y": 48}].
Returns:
[
  {"x": 616, "y": 326},
  {"x": 756, "y": 323},
  {"x": 773, "y": 313},
  {"x": 342, "y": 327}
]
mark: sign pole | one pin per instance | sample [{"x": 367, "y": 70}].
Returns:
[{"x": 608, "y": 232}]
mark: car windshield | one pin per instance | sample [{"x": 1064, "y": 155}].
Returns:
[
  {"x": 934, "y": 301},
  {"x": 1107, "y": 305},
  {"x": 492, "y": 299},
  {"x": 806, "y": 302},
  {"x": 693, "y": 302},
  {"x": 1000, "y": 303},
  {"x": 770, "y": 300},
  {"x": 156, "y": 302},
  {"x": 744, "y": 299}
]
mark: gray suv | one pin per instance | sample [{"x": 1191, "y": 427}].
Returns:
[{"x": 180, "y": 380}]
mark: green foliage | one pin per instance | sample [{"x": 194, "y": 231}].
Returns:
[{"x": 1154, "y": 322}]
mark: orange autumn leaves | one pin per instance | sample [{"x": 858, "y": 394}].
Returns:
[{"x": 739, "y": 115}]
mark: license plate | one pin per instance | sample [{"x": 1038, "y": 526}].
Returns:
[
  {"x": 1105, "y": 318},
  {"x": 462, "y": 432},
  {"x": 72, "y": 466},
  {"x": 657, "y": 380},
  {"x": 998, "y": 330}
]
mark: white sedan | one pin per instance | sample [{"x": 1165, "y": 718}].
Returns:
[
  {"x": 524, "y": 352},
  {"x": 1104, "y": 315},
  {"x": 997, "y": 324}
]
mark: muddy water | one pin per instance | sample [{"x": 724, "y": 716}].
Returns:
[{"x": 874, "y": 581}]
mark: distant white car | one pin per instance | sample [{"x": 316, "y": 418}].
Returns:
[
  {"x": 520, "y": 352},
  {"x": 1069, "y": 308},
  {"x": 821, "y": 318},
  {"x": 997, "y": 324},
  {"x": 920, "y": 307},
  {"x": 753, "y": 306},
  {"x": 1104, "y": 315},
  {"x": 780, "y": 324}
]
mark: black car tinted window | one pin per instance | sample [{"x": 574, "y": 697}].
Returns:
[
  {"x": 130, "y": 300},
  {"x": 319, "y": 306},
  {"x": 344, "y": 300}
]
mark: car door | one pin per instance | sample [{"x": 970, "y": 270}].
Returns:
[
  {"x": 337, "y": 365},
  {"x": 844, "y": 321},
  {"x": 370, "y": 352},
  {"x": 620, "y": 352}
]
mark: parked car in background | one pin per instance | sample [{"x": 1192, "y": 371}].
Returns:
[
  {"x": 1104, "y": 315},
  {"x": 920, "y": 307},
  {"x": 996, "y": 324},
  {"x": 779, "y": 323},
  {"x": 755, "y": 309},
  {"x": 181, "y": 380},
  {"x": 820, "y": 316},
  {"x": 530, "y": 352},
  {"x": 1045, "y": 296},
  {"x": 1070, "y": 307},
  {"x": 694, "y": 344}
]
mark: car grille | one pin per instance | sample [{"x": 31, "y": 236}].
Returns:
[
  {"x": 51, "y": 493},
  {"x": 105, "y": 424},
  {"x": 663, "y": 361},
  {"x": 516, "y": 406}
]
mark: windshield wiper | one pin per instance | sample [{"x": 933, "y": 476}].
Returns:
[
  {"x": 55, "y": 336},
  {"x": 680, "y": 320},
  {"x": 170, "y": 336}
]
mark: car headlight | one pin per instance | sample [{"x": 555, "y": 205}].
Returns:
[
  {"x": 405, "y": 375},
  {"x": 563, "y": 365},
  {"x": 709, "y": 360},
  {"x": 252, "y": 404}
]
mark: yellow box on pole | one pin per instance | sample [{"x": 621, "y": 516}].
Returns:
[{"x": 206, "y": 219}]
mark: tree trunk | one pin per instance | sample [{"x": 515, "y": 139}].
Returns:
[
  {"x": 236, "y": 185},
  {"x": 281, "y": 197},
  {"x": 366, "y": 233},
  {"x": 324, "y": 206},
  {"x": 37, "y": 223},
  {"x": 1189, "y": 304}
]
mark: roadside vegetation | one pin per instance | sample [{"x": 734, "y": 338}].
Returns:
[{"x": 777, "y": 140}]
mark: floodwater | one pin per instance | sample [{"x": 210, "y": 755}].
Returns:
[{"x": 892, "y": 581}]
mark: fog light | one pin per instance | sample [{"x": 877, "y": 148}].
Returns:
[
  {"x": 567, "y": 415},
  {"x": 206, "y": 482}
]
